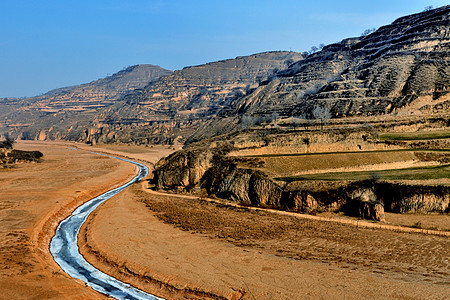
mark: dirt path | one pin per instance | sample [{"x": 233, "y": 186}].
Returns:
[
  {"x": 33, "y": 198},
  {"x": 351, "y": 222}
]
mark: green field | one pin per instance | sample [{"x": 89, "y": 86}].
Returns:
[
  {"x": 291, "y": 164},
  {"x": 423, "y": 173},
  {"x": 416, "y": 136}
]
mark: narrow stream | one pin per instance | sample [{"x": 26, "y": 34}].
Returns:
[{"x": 64, "y": 247}]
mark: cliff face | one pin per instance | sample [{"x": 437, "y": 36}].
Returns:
[
  {"x": 219, "y": 175},
  {"x": 402, "y": 68},
  {"x": 182, "y": 170},
  {"x": 64, "y": 113}
]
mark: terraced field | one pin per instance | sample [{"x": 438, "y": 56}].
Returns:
[
  {"x": 392, "y": 164},
  {"x": 417, "y": 173},
  {"x": 416, "y": 136},
  {"x": 292, "y": 164}
]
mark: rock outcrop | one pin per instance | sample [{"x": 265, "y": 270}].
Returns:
[
  {"x": 246, "y": 186},
  {"x": 365, "y": 204},
  {"x": 183, "y": 169},
  {"x": 414, "y": 198},
  {"x": 221, "y": 175}
]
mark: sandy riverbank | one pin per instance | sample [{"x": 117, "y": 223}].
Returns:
[
  {"x": 33, "y": 199},
  {"x": 314, "y": 260}
]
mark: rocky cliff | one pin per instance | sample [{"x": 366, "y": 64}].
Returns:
[
  {"x": 402, "y": 69},
  {"x": 220, "y": 175}
]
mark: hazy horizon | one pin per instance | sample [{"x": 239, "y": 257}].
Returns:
[{"x": 49, "y": 44}]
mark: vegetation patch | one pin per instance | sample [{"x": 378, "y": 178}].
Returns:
[
  {"x": 287, "y": 165},
  {"x": 416, "y": 136},
  {"x": 10, "y": 156},
  {"x": 418, "y": 173}
]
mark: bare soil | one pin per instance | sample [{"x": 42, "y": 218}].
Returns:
[
  {"x": 427, "y": 221},
  {"x": 303, "y": 239},
  {"x": 184, "y": 248},
  {"x": 34, "y": 197}
]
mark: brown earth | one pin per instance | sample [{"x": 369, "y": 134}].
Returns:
[
  {"x": 33, "y": 199},
  {"x": 184, "y": 248}
]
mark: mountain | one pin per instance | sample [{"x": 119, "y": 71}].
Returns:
[
  {"x": 400, "y": 69},
  {"x": 177, "y": 104},
  {"x": 59, "y": 111}
]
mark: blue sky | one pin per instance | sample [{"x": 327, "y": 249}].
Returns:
[{"x": 49, "y": 44}]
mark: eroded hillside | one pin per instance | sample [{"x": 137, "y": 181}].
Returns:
[
  {"x": 64, "y": 113},
  {"x": 175, "y": 105},
  {"x": 400, "y": 69}
]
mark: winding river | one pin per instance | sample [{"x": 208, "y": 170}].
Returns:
[{"x": 64, "y": 247}]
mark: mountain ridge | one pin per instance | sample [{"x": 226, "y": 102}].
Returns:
[
  {"x": 401, "y": 68},
  {"x": 173, "y": 106}
]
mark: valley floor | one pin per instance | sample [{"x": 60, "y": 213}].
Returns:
[
  {"x": 188, "y": 248},
  {"x": 34, "y": 197},
  {"x": 180, "y": 248}
]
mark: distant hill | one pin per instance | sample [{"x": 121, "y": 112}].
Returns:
[
  {"x": 400, "y": 69},
  {"x": 175, "y": 105},
  {"x": 57, "y": 111}
]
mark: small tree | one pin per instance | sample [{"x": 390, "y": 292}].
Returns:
[
  {"x": 375, "y": 177},
  {"x": 428, "y": 8},
  {"x": 322, "y": 114},
  {"x": 306, "y": 141},
  {"x": 305, "y": 121},
  {"x": 247, "y": 121},
  {"x": 8, "y": 143},
  {"x": 314, "y": 49},
  {"x": 275, "y": 117},
  {"x": 368, "y": 31}
]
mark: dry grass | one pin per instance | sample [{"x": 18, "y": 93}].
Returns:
[
  {"x": 415, "y": 136},
  {"x": 419, "y": 173},
  {"x": 284, "y": 165},
  {"x": 374, "y": 250},
  {"x": 431, "y": 221}
]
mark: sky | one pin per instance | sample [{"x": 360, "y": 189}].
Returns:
[{"x": 47, "y": 44}]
